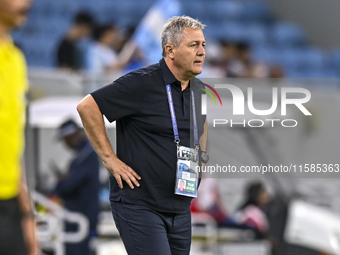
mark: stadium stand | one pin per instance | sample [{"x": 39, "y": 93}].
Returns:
[{"x": 246, "y": 21}]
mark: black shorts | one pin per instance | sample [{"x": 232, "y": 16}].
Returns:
[{"x": 11, "y": 236}]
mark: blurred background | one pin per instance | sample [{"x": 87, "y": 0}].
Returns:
[{"x": 75, "y": 46}]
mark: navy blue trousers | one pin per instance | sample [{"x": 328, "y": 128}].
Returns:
[{"x": 148, "y": 232}]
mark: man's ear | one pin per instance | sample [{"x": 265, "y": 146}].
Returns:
[{"x": 169, "y": 50}]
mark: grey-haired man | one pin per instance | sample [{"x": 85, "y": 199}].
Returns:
[{"x": 153, "y": 108}]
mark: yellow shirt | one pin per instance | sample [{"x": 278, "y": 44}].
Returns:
[{"x": 13, "y": 85}]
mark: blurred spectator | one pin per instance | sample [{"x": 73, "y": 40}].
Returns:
[
  {"x": 259, "y": 70},
  {"x": 229, "y": 52},
  {"x": 276, "y": 72},
  {"x": 17, "y": 225},
  {"x": 221, "y": 55},
  {"x": 126, "y": 35},
  {"x": 79, "y": 188},
  {"x": 239, "y": 63},
  {"x": 209, "y": 201},
  {"x": 70, "y": 53},
  {"x": 251, "y": 212},
  {"x": 134, "y": 58},
  {"x": 102, "y": 55}
]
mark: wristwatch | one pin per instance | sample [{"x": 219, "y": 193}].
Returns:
[{"x": 204, "y": 157}]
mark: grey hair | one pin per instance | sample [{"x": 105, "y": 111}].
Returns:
[{"x": 173, "y": 30}]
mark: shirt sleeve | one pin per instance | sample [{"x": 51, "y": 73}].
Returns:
[{"x": 121, "y": 98}]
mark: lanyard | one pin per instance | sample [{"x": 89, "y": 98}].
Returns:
[{"x": 173, "y": 116}]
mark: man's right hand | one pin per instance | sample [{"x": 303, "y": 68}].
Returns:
[{"x": 121, "y": 171}]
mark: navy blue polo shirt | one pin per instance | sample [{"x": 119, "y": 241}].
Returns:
[{"x": 138, "y": 103}]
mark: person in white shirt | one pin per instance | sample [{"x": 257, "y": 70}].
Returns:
[
  {"x": 102, "y": 57},
  {"x": 251, "y": 211}
]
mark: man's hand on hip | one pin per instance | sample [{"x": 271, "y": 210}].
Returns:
[{"x": 121, "y": 171}]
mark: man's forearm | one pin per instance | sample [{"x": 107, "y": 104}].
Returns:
[
  {"x": 28, "y": 222},
  {"x": 204, "y": 137},
  {"x": 94, "y": 126}
]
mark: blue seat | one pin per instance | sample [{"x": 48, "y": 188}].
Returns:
[
  {"x": 333, "y": 60},
  {"x": 308, "y": 74},
  {"x": 225, "y": 10},
  {"x": 39, "y": 50},
  {"x": 287, "y": 35},
  {"x": 105, "y": 11},
  {"x": 197, "y": 10},
  {"x": 256, "y": 34},
  {"x": 267, "y": 54},
  {"x": 231, "y": 31},
  {"x": 211, "y": 31},
  {"x": 314, "y": 59},
  {"x": 311, "y": 59},
  {"x": 257, "y": 11}
]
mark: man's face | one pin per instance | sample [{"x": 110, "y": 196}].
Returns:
[
  {"x": 109, "y": 37},
  {"x": 13, "y": 13},
  {"x": 190, "y": 54},
  {"x": 72, "y": 140},
  {"x": 181, "y": 184},
  {"x": 85, "y": 30}
]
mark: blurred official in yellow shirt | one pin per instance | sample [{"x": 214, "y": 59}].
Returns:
[
  {"x": 17, "y": 226},
  {"x": 13, "y": 86}
]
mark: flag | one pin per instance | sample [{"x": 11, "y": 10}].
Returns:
[{"x": 148, "y": 33}]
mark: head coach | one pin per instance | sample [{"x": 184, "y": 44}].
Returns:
[{"x": 157, "y": 110}]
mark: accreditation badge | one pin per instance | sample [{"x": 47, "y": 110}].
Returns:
[{"x": 186, "y": 174}]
